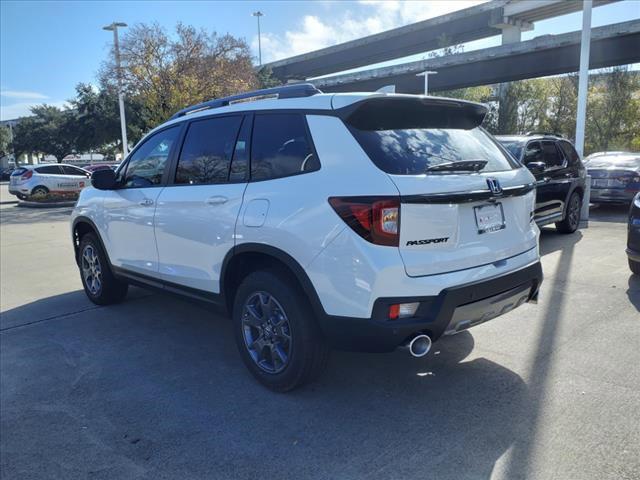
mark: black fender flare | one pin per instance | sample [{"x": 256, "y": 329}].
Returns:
[{"x": 280, "y": 255}]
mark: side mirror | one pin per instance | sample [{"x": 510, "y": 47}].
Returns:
[
  {"x": 104, "y": 180},
  {"x": 536, "y": 167}
]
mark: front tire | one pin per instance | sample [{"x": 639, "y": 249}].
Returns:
[
  {"x": 634, "y": 266},
  {"x": 571, "y": 220},
  {"x": 276, "y": 332},
  {"x": 98, "y": 281}
]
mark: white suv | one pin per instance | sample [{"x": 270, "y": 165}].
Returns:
[{"x": 352, "y": 221}]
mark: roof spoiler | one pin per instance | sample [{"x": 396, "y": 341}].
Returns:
[
  {"x": 390, "y": 112},
  {"x": 297, "y": 90}
]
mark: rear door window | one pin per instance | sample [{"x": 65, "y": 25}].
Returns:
[
  {"x": 569, "y": 152},
  {"x": 49, "y": 170},
  {"x": 281, "y": 147},
  {"x": 552, "y": 156},
  {"x": 533, "y": 153},
  {"x": 207, "y": 150}
]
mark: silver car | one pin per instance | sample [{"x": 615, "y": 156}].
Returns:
[
  {"x": 615, "y": 176},
  {"x": 40, "y": 180}
]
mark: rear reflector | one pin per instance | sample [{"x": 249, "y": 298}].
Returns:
[
  {"x": 402, "y": 310},
  {"x": 376, "y": 219}
]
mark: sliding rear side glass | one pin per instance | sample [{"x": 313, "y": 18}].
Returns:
[{"x": 409, "y": 136}]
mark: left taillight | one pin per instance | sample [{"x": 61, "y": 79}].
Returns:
[
  {"x": 376, "y": 219},
  {"x": 26, "y": 175}
]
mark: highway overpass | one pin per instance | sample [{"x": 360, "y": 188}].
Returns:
[
  {"x": 498, "y": 17},
  {"x": 616, "y": 44}
]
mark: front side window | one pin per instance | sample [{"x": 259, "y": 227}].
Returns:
[
  {"x": 146, "y": 165},
  {"x": 280, "y": 147},
  {"x": 552, "y": 156},
  {"x": 207, "y": 151},
  {"x": 73, "y": 171}
]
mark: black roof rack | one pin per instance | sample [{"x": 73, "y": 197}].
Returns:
[
  {"x": 297, "y": 90},
  {"x": 547, "y": 134}
]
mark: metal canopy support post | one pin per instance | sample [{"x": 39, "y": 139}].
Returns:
[{"x": 583, "y": 89}]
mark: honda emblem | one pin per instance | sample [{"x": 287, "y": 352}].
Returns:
[{"x": 494, "y": 186}]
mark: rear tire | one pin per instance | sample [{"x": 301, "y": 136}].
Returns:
[
  {"x": 276, "y": 331},
  {"x": 634, "y": 266},
  {"x": 99, "y": 283},
  {"x": 40, "y": 191},
  {"x": 571, "y": 220}
]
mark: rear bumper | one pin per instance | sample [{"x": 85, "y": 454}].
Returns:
[
  {"x": 611, "y": 195},
  {"x": 436, "y": 315}
]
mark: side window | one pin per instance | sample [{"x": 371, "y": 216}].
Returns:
[
  {"x": 280, "y": 147},
  {"x": 146, "y": 165},
  {"x": 67, "y": 170},
  {"x": 569, "y": 152},
  {"x": 240, "y": 162},
  {"x": 533, "y": 153},
  {"x": 49, "y": 170},
  {"x": 207, "y": 150},
  {"x": 552, "y": 156}
]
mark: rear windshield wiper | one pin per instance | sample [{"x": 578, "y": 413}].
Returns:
[{"x": 462, "y": 165}]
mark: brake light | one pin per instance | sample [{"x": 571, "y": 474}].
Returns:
[
  {"x": 27, "y": 175},
  {"x": 376, "y": 219}
]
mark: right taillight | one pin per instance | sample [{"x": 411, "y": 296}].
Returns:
[
  {"x": 26, "y": 175},
  {"x": 376, "y": 219}
]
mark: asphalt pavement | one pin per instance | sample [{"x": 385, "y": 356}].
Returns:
[{"x": 154, "y": 388}]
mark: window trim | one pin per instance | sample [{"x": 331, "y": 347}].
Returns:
[
  {"x": 170, "y": 158},
  {"x": 171, "y": 180},
  {"x": 303, "y": 115}
]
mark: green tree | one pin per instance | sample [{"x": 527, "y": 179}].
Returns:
[
  {"x": 266, "y": 78},
  {"x": 164, "y": 74},
  {"x": 51, "y": 131},
  {"x": 5, "y": 141},
  {"x": 613, "y": 111}
]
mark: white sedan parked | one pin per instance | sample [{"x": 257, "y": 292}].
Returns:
[{"x": 39, "y": 180}]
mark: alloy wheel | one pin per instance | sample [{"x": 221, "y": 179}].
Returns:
[
  {"x": 266, "y": 332},
  {"x": 91, "y": 270},
  {"x": 574, "y": 212}
]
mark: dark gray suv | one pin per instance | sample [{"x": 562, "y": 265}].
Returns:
[{"x": 560, "y": 177}]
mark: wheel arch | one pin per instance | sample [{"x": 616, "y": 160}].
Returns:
[
  {"x": 249, "y": 257},
  {"x": 81, "y": 226}
]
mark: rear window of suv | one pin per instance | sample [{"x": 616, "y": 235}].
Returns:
[{"x": 416, "y": 137}]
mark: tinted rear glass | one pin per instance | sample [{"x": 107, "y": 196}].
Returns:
[
  {"x": 18, "y": 171},
  {"x": 49, "y": 169},
  {"x": 411, "y": 151},
  {"x": 615, "y": 161},
  {"x": 281, "y": 147}
]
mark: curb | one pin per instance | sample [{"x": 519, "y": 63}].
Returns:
[
  {"x": 9, "y": 202},
  {"x": 26, "y": 204}
]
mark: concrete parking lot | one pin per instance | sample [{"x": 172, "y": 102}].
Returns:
[{"x": 154, "y": 388}]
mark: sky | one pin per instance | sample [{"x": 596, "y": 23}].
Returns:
[{"x": 47, "y": 47}]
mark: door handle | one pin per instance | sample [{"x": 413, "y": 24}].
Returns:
[
  {"x": 216, "y": 200},
  {"x": 146, "y": 202}
]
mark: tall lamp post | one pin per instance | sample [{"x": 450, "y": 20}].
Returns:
[
  {"x": 123, "y": 123},
  {"x": 259, "y": 14}
]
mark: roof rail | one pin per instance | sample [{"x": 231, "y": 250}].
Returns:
[
  {"x": 297, "y": 90},
  {"x": 549, "y": 134}
]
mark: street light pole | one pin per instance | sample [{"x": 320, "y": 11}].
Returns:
[
  {"x": 583, "y": 76},
  {"x": 259, "y": 14},
  {"x": 123, "y": 123}
]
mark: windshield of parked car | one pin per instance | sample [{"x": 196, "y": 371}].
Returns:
[{"x": 514, "y": 147}]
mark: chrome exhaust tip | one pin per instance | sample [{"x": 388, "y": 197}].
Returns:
[{"x": 419, "y": 345}]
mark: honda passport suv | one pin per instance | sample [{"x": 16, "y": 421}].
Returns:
[{"x": 363, "y": 221}]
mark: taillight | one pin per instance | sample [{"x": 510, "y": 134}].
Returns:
[
  {"x": 376, "y": 219},
  {"x": 27, "y": 175}
]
